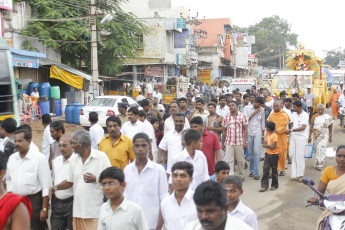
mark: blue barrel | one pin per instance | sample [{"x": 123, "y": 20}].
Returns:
[
  {"x": 31, "y": 87},
  {"x": 44, "y": 105},
  {"x": 75, "y": 103},
  {"x": 76, "y": 114},
  {"x": 58, "y": 108},
  {"x": 68, "y": 114},
  {"x": 44, "y": 89},
  {"x": 25, "y": 92}
]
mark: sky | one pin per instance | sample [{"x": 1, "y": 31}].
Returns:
[{"x": 319, "y": 24}]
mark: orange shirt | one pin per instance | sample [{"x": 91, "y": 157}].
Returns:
[
  {"x": 329, "y": 174},
  {"x": 270, "y": 139},
  {"x": 333, "y": 99}
]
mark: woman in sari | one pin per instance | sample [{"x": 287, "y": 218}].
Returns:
[
  {"x": 332, "y": 179},
  {"x": 321, "y": 129}
]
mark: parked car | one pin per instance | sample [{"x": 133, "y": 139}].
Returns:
[{"x": 105, "y": 106}]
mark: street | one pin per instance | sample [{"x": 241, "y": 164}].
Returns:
[{"x": 281, "y": 209}]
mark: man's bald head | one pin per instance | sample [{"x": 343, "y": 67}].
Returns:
[
  {"x": 278, "y": 105},
  {"x": 65, "y": 145}
]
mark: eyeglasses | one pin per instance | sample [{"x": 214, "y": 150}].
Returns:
[{"x": 110, "y": 184}]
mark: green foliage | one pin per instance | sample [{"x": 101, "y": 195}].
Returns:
[
  {"x": 333, "y": 57},
  {"x": 273, "y": 37},
  {"x": 118, "y": 38}
]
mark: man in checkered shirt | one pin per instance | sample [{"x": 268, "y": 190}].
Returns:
[{"x": 235, "y": 138}]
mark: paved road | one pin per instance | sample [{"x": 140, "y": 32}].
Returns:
[{"x": 284, "y": 208}]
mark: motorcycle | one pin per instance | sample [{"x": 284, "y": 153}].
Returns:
[{"x": 333, "y": 203}]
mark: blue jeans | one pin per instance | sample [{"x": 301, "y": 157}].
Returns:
[
  {"x": 254, "y": 148},
  {"x": 246, "y": 155}
]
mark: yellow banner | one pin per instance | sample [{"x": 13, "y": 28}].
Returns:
[
  {"x": 67, "y": 77},
  {"x": 205, "y": 76}
]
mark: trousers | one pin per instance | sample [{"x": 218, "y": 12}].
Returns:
[
  {"x": 61, "y": 216},
  {"x": 235, "y": 152},
  {"x": 254, "y": 149},
  {"x": 36, "y": 203},
  {"x": 271, "y": 161}
]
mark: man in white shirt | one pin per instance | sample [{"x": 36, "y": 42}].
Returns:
[
  {"x": 181, "y": 94},
  {"x": 233, "y": 186},
  {"x": 169, "y": 122},
  {"x": 199, "y": 110},
  {"x": 192, "y": 154},
  {"x": 298, "y": 140},
  {"x": 179, "y": 208},
  {"x": 157, "y": 94},
  {"x": 211, "y": 195},
  {"x": 146, "y": 182},
  {"x": 171, "y": 144},
  {"x": 342, "y": 99},
  {"x": 268, "y": 99},
  {"x": 150, "y": 132},
  {"x": 133, "y": 125},
  {"x": 28, "y": 175},
  {"x": 96, "y": 130},
  {"x": 149, "y": 89},
  {"x": 35, "y": 93},
  {"x": 57, "y": 129},
  {"x": 118, "y": 213},
  {"x": 47, "y": 138},
  {"x": 309, "y": 98},
  {"x": 140, "y": 97},
  {"x": 62, "y": 201},
  {"x": 222, "y": 108},
  {"x": 84, "y": 172}
]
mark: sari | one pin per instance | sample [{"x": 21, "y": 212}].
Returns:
[
  {"x": 333, "y": 187},
  {"x": 320, "y": 137}
]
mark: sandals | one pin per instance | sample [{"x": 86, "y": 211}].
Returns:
[
  {"x": 273, "y": 188},
  {"x": 263, "y": 190},
  {"x": 256, "y": 178},
  {"x": 251, "y": 175},
  {"x": 282, "y": 173}
]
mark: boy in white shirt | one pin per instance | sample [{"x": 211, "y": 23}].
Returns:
[
  {"x": 233, "y": 186},
  {"x": 118, "y": 213},
  {"x": 96, "y": 130},
  {"x": 179, "y": 208}
]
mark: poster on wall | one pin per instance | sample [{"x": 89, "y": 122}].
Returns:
[
  {"x": 154, "y": 71},
  {"x": 6, "y": 4}
]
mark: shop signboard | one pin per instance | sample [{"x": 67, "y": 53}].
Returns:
[
  {"x": 205, "y": 76},
  {"x": 28, "y": 62},
  {"x": 154, "y": 71}
]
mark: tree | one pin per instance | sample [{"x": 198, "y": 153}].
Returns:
[
  {"x": 273, "y": 36},
  {"x": 333, "y": 57},
  {"x": 64, "y": 25}
]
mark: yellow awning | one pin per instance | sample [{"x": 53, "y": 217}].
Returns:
[{"x": 67, "y": 77}]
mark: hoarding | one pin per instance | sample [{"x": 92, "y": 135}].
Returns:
[{"x": 205, "y": 76}]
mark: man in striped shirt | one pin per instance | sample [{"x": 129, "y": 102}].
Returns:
[{"x": 235, "y": 137}]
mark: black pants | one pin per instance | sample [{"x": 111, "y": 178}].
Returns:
[
  {"x": 36, "y": 203},
  {"x": 311, "y": 113},
  {"x": 61, "y": 216},
  {"x": 271, "y": 161}
]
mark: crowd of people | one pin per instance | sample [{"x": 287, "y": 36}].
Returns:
[{"x": 176, "y": 167}]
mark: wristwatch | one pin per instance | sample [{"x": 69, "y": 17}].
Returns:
[
  {"x": 44, "y": 209},
  {"x": 246, "y": 142}
]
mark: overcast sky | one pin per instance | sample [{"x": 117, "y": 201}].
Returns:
[{"x": 320, "y": 25}]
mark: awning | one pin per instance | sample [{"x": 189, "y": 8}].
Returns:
[{"x": 28, "y": 53}]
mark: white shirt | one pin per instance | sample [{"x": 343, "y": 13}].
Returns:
[
  {"x": 245, "y": 214},
  {"x": 140, "y": 98},
  {"x": 181, "y": 94},
  {"x": 172, "y": 143},
  {"x": 2, "y": 142},
  {"x": 157, "y": 95},
  {"x": 128, "y": 216},
  {"x": 342, "y": 100},
  {"x": 218, "y": 92},
  {"x": 177, "y": 216},
  {"x": 149, "y": 88},
  {"x": 29, "y": 175},
  {"x": 97, "y": 134},
  {"x": 169, "y": 124},
  {"x": 269, "y": 104},
  {"x": 151, "y": 133},
  {"x": 33, "y": 94},
  {"x": 288, "y": 111},
  {"x": 60, "y": 174},
  {"x": 199, "y": 163},
  {"x": 130, "y": 130},
  {"x": 88, "y": 197},
  {"x": 231, "y": 224},
  {"x": 147, "y": 189},
  {"x": 309, "y": 97},
  {"x": 47, "y": 141},
  {"x": 223, "y": 111},
  {"x": 225, "y": 90},
  {"x": 298, "y": 121}
]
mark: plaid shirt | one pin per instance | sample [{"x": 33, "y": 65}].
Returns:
[{"x": 234, "y": 125}]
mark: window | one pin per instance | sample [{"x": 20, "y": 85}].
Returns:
[{"x": 103, "y": 102}]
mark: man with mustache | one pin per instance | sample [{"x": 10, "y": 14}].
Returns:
[
  {"x": 118, "y": 147},
  {"x": 212, "y": 205}
]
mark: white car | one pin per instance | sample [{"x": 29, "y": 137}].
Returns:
[{"x": 105, "y": 106}]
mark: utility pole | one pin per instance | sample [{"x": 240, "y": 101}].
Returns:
[
  {"x": 94, "y": 55},
  {"x": 234, "y": 39}
]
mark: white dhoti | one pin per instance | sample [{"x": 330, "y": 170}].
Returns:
[{"x": 296, "y": 153}]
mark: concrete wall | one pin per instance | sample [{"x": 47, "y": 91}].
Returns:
[
  {"x": 15, "y": 21},
  {"x": 159, "y": 4}
]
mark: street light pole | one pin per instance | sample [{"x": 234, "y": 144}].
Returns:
[{"x": 94, "y": 55}]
